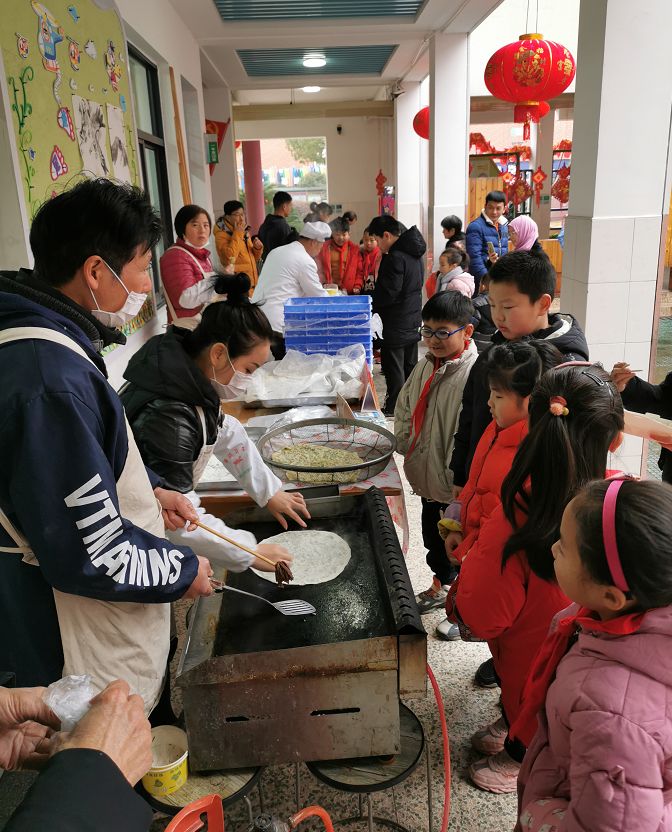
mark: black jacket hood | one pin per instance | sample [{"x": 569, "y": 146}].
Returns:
[
  {"x": 411, "y": 242},
  {"x": 564, "y": 332},
  {"x": 161, "y": 369}
]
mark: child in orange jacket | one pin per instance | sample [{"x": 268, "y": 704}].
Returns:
[{"x": 339, "y": 260}]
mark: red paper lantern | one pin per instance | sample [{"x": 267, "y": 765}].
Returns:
[
  {"x": 528, "y": 73},
  {"x": 421, "y": 123}
]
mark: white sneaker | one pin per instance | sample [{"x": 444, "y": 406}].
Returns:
[{"x": 447, "y": 631}]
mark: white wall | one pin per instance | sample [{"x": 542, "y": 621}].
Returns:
[
  {"x": 224, "y": 180},
  {"x": 353, "y": 157},
  {"x": 155, "y": 29},
  {"x": 558, "y": 20}
]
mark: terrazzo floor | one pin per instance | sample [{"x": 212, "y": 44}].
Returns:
[{"x": 467, "y": 708}]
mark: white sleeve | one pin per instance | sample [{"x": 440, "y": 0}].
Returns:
[
  {"x": 239, "y": 455},
  {"x": 197, "y": 294},
  {"x": 207, "y": 545},
  {"x": 309, "y": 280}
]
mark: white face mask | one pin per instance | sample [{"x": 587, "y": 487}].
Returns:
[
  {"x": 236, "y": 387},
  {"x": 132, "y": 305}
]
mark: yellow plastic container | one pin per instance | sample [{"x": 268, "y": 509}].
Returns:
[{"x": 169, "y": 761}]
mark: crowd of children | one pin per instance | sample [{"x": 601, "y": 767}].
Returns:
[{"x": 508, "y": 447}]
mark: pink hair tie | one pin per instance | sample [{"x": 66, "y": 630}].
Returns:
[
  {"x": 609, "y": 535},
  {"x": 559, "y": 406}
]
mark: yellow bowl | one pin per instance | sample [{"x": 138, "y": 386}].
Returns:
[{"x": 169, "y": 761}]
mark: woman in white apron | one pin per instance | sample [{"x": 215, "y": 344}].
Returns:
[
  {"x": 186, "y": 268},
  {"x": 175, "y": 385}
]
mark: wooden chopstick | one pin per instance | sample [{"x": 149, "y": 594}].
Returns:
[{"x": 235, "y": 543}]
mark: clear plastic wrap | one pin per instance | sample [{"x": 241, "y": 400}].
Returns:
[
  {"x": 70, "y": 698},
  {"x": 311, "y": 375}
]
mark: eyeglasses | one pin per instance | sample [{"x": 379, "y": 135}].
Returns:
[{"x": 441, "y": 334}]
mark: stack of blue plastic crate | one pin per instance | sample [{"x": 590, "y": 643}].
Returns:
[{"x": 326, "y": 325}]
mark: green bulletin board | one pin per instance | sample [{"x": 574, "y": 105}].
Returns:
[{"x": 65, "y": 77}]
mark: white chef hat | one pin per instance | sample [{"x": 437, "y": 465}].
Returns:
[{"x": 316, "y": 231}]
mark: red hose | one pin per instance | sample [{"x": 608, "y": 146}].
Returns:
[
  {"x": 310, "y": 812},
  {"x": 446, "y": 749}
]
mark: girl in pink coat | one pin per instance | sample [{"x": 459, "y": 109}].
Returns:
[{"x": 601, "y": 759}]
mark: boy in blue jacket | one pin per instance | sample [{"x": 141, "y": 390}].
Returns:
[{"x": 86, "y": 574}]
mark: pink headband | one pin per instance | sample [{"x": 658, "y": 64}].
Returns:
[{"x": 609, "y": 535}]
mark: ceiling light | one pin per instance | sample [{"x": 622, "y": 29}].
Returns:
[
  {"x": 311, "y": 89},
  {"x": 314, "y": 61}
]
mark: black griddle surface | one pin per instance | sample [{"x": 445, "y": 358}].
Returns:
[{"x": 350, "y": 607}]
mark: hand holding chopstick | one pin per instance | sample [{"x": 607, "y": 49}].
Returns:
[{"x": 283, "y": 574}]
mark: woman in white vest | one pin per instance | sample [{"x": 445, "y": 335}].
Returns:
[
  {"x": 186, "y": 269},
  {"x": 176, "y": 382},
  {"x": 86, "y": 572}
]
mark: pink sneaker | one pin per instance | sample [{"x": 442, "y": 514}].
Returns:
[
  {"x": 498, "y": 774},
  {"x": 490, "y": 740}
]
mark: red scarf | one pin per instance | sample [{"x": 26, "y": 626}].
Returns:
[
  {"x": 420, "y": 409},
  {"x": 549, "y": 656}
]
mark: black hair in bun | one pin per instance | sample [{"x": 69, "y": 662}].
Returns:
[
  {"x": 236, "y": 322},
  {"x": 235, "y": 286}
]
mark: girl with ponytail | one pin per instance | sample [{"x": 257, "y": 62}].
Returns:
[
  {"x": 176, "y": 382},
  {"x": 507, "y": 593}
]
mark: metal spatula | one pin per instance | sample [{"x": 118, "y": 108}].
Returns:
[{"x": 290, "y": 607}]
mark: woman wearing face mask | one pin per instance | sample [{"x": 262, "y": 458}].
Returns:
[
  {"x": 175, "y": 385},
  {"x": 186, "y": 268}
]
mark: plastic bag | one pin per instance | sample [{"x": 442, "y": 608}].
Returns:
[
  {"x": 315, "y": 375},
  {"x": 70, "y": 698},
  {"x": 301, "y": 414}
]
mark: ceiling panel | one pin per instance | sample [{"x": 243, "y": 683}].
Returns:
[
  {"x": 238, "y": 10},
  {"x": 341, "y": 60}
]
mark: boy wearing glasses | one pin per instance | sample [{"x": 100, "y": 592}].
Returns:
[{"x": 425, "y": 421}]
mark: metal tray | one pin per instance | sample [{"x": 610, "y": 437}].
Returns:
[{"x": 299, "y": 401}]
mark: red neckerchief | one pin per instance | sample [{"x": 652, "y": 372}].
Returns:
[
  {"x": 549, "y": 656},
  {"x": 420, "y": 409}
]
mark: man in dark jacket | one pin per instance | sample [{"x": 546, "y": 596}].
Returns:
[
  {"x": 489, "y": 228},
  {"x": 397, "y": 298},
  {"x": 80, "y": 528},
  {"x": 275, "y": 231}
]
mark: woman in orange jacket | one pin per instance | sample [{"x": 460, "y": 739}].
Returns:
[{"x": 234, "y": 245}]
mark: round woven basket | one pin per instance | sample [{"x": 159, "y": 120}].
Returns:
[{"x": 372, "y": 444}]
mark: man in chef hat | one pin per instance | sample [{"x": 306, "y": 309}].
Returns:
[{"x": 290, "y": 271}]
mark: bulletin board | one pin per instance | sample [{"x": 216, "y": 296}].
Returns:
[{"x": 65, "y": 78}]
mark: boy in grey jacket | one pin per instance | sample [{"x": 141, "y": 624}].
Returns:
[{"x": 425, "y": 420}]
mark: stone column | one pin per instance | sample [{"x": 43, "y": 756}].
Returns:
[
  {"x": 408, "y": 159},
  {"x": 618, "y": 209},
  {"x": 542, "y": 154},
  {"x": 254, "y": 184},
  {"x": 449, "y": 133}
]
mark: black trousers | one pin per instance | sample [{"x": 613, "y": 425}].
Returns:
[
  {"x": 397, "y": 364},
  {"x": 436, "y": 557}
]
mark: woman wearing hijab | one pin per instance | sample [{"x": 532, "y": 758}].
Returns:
[{"x": 524, "y": 234}]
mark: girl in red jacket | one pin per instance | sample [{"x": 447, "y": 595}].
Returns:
[
  {"x": 339, "y": 260},
  {"x": 513, "y": 370},
  {"x": 507, "y": 592}
]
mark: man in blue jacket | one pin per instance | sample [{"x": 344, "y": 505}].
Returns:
[
  {"x": 86, "y": 574},
  {"x": 490, "y": 227}
]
